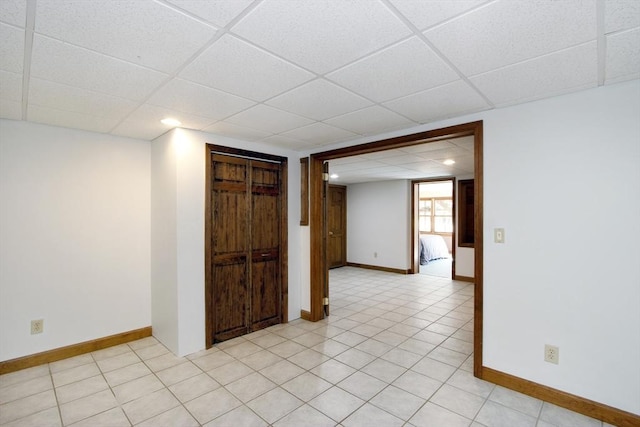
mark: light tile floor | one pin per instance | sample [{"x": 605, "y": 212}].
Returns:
[{"x": 396, "y": 351}]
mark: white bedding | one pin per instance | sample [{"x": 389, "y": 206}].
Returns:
[{"x": 432, "y": 246}]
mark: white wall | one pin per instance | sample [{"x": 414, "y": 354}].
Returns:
[
  {"x": 562, "y": 176},
  {"x": 567, "y": 275},
  {"x": 164, "y": 242},
  {"x": 178, "y": 255},
  {"x": 379, "y": 221},
  {"x": 74, "y": 236}
]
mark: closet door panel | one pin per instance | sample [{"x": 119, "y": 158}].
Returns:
[
  {"x": 265, "y": 292},
  {"x": 265, "y": 242},
  {"x": 230, "y": 290},
  {"x": 231, "y": 244}
]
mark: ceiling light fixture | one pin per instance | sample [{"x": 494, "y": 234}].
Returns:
[
  {"x": 171, "y": 122},
  {"x": 334, "y": 176},
  {"x": 449, "y": 162}
]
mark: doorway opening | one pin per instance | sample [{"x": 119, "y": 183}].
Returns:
[
  {"x": 319, "y": 290},
  {"x": 433, "y": 224}
]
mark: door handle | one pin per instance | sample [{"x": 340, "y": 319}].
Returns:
[
  {"x": 265, "y": 255},
  {"x": 331, "y": 233}
]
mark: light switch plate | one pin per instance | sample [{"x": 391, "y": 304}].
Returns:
[{"x": 498, "y": 235}]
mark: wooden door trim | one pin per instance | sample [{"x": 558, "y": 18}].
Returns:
[
  {"x": 208, "y": 275},
  {"x": 318, "y": 272}
]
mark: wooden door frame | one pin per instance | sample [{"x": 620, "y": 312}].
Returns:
[
  {"x": 208, "y": 230},
  {"x": 415, "y": 231},
  {"x": 318, "y": 270}
]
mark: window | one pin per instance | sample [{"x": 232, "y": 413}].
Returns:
[{"x": 436, "y": 215}]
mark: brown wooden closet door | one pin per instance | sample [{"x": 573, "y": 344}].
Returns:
[
  {"x": 230, "y": 246},
  {"x": 265, "y": 243},
  {"x": 337, "y": 226},
  {"x": 246, "y": 272}
]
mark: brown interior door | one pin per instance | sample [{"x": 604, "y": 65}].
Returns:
[
  {"x": 337, "y": 226},
  {"x": 230, "y": 245},
  {"x": 246, "y": 272},
  {"x": 265, "y": 257}
]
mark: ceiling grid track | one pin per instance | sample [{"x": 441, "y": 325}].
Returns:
[
  {"x": 601, "y": 41},
  {"x": 440, "y": 55},
  {"x": 221, "y": 32},
  {"x": 28, "y": 49}
]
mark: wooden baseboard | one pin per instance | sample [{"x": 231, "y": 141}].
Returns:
[
  {"x": 72, "y": 350},
  {"x": 376, "y": 267},
  {"x": 305, "y": 315},
  {"x": 575, "y": 403},
  {"x": 464, "y": 278}
]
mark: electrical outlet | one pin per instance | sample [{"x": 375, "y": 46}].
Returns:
[
  {"x": 551, "y": 354},
  {"x": 37, "y": 326}
]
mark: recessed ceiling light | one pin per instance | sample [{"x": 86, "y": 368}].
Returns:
[
  {"x": 170, "y": 122},
  {"x": 449, "y": 162},
  {"x": 334, "y": 176}
]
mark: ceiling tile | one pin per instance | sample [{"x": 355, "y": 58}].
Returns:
[
  {"x": 319, "y": 100},
  {"x": 288, "y": 143},
  {"x": 623, "y": 56},
  {"x": 10, "y": 86},
  {"x": 450, "y": 100},
  {"x": 74, "y": 66},
  {"x": 144, "y": 123},
  {"x": 358, "y": 165},
  {"x": 379, "y": 171},
  {"x": 69, "y": 119},
  {"x": 11, "y": 48},
  {"x": 235, "y": 131},
  {"x": 11, "y": 110},
  {"x": 338, "y": 31},
  {"x": 143, "y": 32},
  {"x": 425, "y": 14},
  {"x": 217, "y": 12},
  {"x": 57, "y": 96},
  {"x": 549, "y": 75},
  {"x": 376, "y": 155},
  {"x": 347, "y": 160},
  {"x": 193, "y": 98},
  {"x": 13, "y": 12},
  {"x": 429, "y": 146},
  {"x": 370, "y": 121},
  {"x": 237, "y": 67},
  {"x": 381, "y": 78},
  {"x": 268, "y": 119},
  {"x": 506, "y": 32},
  {"x": 465, "y": 162},
  {"x": 432, "y": 168},
  {"x": 621, "y": 15},
  {"x": 399, "y": 160},
  {"x": 448, "y": 152},
  {"x": 466, "y": 143},
  {"x": 320, "y": 134}
]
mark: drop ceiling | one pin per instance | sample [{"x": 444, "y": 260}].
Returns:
[
  {"x": 302, "y": 74},
  {"x": 416, "y": 162}
]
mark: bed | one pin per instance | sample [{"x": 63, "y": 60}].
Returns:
[{"x": 432, "y": 246}]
